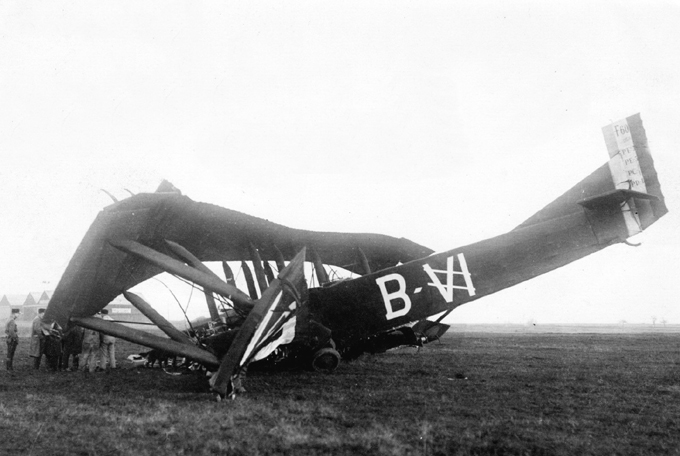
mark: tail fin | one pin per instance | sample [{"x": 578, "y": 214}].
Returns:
[
  {"x": 632, "y": 168},
  {"x": 621, "y": 198}
]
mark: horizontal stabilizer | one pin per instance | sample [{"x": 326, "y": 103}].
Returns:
[{"x": 614, "y": 198}]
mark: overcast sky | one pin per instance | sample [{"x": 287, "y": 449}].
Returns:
[{"x": 442, "y": 122}]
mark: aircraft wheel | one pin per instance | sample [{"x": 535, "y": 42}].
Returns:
[{"x": 326, "y": 360}]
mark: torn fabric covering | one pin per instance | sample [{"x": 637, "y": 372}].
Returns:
[
  {"x": 273, "y": 313},
  {"x": 277, "y": 328}
]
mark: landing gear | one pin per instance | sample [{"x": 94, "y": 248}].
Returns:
[{"x": 326, "y": 360}]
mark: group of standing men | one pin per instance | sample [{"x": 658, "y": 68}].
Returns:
[{"x": 96, "y": 348}]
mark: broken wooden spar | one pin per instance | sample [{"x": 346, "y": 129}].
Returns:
[
  {"x": 173, "y": 266},
  {"x": 228, "y": 274},
  {"x": 148, "y": 340},
  {"x": 160, "y": 321}
]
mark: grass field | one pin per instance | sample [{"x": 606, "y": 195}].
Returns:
[{"x": 475, "y": 393}]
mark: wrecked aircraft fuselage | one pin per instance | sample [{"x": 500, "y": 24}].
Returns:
[{"x": 401, "y": 283}]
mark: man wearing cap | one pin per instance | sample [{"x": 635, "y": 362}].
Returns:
[
  {"x": 107, "y": 347},
  {"x": 12, "y": 333},
  {"x": 37, "y": 340}
]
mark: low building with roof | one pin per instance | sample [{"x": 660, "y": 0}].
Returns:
[
  {"x": 120, "y": 310},
  {"x": 34, "y": 301},
  {"x": 8, "y": 302}
]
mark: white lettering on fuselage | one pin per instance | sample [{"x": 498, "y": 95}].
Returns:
[
  {"x": 446, "y": 290},
  {"x": 399, "y": 294}
]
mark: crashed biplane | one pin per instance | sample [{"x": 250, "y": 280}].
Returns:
[{"x": 399, "y": 284}]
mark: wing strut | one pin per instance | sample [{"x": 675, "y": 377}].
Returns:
[
  {"x": 257, "y": 266},
  {"x": 248, "y": 274},
  {"x": 173, "y": 266},
  {"x": 280, "y": 262},
  {"x": 198, "y": 264},
  {"x": 268, "y": 272},
  {"x": 364, "y": 261},
  {"x": 321, "y": 274},
  {"x": 149, "y": 340}
]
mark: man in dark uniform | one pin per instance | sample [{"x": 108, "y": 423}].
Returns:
[
  {"x": 12, "y": 333},
  {"x": 53, "y": 351},
  {"x": 71, "y": 345},
  {"x": 37, "y": 339}
]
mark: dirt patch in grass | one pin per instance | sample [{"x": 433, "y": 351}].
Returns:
[{"x": 472, "y": 394}]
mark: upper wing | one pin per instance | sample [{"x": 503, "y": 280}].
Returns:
[{"x": 98, "y": 272}]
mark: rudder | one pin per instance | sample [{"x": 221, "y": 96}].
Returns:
[{"x": 632, "y": 168}]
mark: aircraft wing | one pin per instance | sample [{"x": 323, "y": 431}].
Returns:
[{"x": 98, "y": 272}]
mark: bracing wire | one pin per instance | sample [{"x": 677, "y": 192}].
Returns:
[{"x": 176, "y": 300}]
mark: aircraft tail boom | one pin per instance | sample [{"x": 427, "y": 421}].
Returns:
[{"x": 616, "y": 201}]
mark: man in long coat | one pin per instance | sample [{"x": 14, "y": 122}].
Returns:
[
  {"x": 12, "y": 333},
  {"x": 37, "y": 340}
]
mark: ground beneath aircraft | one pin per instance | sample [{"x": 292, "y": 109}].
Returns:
[{"x": 475, "y": 393}]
